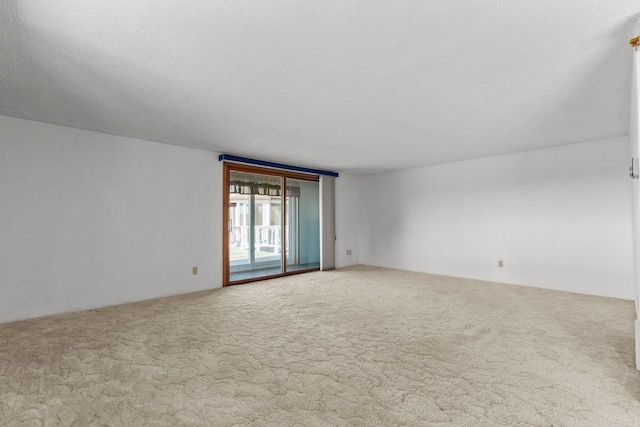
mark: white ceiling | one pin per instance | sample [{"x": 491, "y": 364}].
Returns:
[{"x": 354, "y": 86}]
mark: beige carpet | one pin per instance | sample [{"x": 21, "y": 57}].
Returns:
[{"x": 360, "y": 346}]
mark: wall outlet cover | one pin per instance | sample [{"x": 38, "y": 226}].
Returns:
[{"x": 195, "y": 270}]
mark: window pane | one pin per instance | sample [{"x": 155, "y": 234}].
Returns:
[
  {"x": 255, "y": 234},
  {"x": 303, "y": 224}
]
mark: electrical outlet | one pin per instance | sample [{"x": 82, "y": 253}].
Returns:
[
  {"x": 195, "y": 270},
  {"x": 500, "y": 263},
  {"x": 348, "y": 251}
]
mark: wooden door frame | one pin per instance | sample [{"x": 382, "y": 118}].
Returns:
[{"x": 240, "y": 167}]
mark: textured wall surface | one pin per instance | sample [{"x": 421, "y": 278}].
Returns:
[
  {"x": 89, "y": 220},
  {"x": 345, "y": 85},
  {"x": 559, "y": 218}
]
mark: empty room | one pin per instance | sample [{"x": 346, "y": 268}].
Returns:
[{"x": 319, "y": 213}]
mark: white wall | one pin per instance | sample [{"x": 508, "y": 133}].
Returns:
[
  {"x": 560, "y": 218},
  {"x": 90, "y": 220},
  {"x": 347, "y": 219}
]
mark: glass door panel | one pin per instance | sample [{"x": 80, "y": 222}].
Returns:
[
  {"x": 255, "y": 225},
  {"x": 303, "y": 225}
]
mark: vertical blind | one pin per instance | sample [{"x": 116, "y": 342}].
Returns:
[{"x": 327, "y": 223}]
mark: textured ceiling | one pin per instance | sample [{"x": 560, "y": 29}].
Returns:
[{"x": 355, "y": 86}]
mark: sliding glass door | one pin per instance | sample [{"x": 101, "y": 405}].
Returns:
[
  {"x": 271, "y": 223},
  {"x": 303, "y": 225},
  {"x": 254, "y": 225}
]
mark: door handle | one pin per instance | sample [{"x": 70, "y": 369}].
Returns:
[{"x": 633, "y": 170}]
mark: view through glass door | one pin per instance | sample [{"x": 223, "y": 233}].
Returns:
[
  {"x": 303, "y": 225},
  {"x": 271, "y": 223},
  {"x": 255, "y": 225}
]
